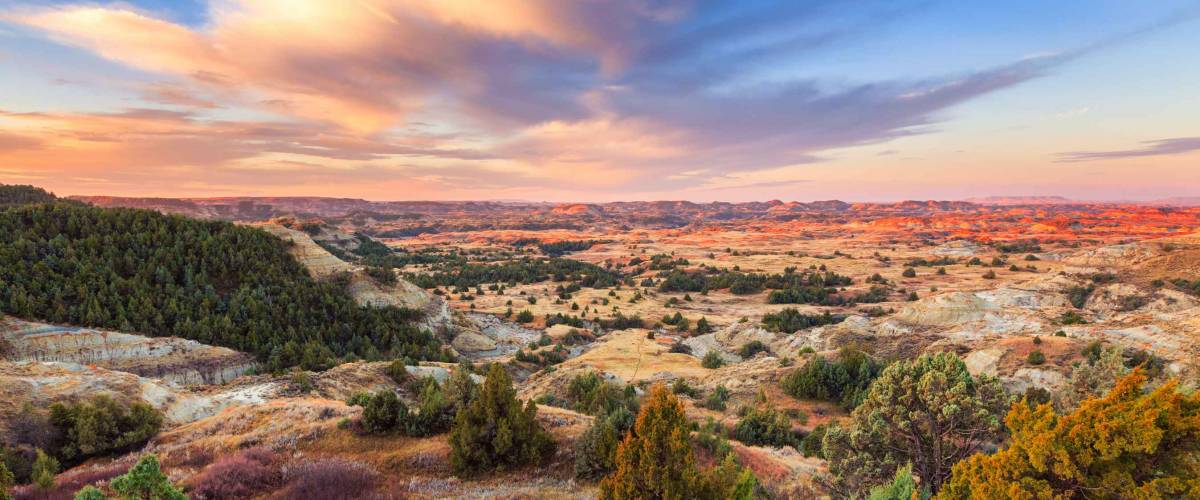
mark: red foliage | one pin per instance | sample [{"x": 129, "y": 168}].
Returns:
[
  {"x": 331, "y": 479},
  {"x": 193, "y": 458},
  {"x": 242, "y": 475},
  {"x": 69, "y": 482}
]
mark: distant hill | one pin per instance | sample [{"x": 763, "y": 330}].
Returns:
[
  {"x": 1179, "y": 201},
  {"x": 1022, "y": 200}
]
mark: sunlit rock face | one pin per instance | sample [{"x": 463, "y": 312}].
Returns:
[{"x": 173, "y": 359}]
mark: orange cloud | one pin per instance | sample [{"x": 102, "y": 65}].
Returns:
[{"x": 363, "y": 64}]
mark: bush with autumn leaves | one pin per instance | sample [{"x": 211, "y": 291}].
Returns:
[{"x": 1130, "y": 443}]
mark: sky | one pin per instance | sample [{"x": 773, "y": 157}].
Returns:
[{"x": 605, "y": 100}]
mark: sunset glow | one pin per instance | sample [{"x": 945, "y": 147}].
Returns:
[{"x": 602, "y": 100}]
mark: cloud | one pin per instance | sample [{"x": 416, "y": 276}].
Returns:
[
  {"x": 614, "y": 95},
  {"x": 1161, "y": 147},
  {"x": 14, "y": 142}
]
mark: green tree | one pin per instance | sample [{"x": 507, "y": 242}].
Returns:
[
  {"x": 844, "y": 381},
  {"x": 596, "y": 450},
  {"x": 6, "y": 481},
  {"x": 524, "y": 316},
  {"x": 1128, "y": 444},
  {"x": 1094, "y": 377},
  {"x": 460, "y": 389},
  {"x": 45, "y": 467},
  {"x": 103, "y": 425},
  {"x": 712, "y": 360},
  {"x": 146, "y": 481},
  {"x": 494, "y": 432},
  {"x": 384, "y": 413},
  {"x": 929, "y": 412},
  {"x": 213, "y": 282}
]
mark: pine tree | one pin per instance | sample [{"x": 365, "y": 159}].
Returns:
[
  {"x": 494, "y": 432},
  {"x": 655, "y": 460},
  {"x": 147, "y": 481}
]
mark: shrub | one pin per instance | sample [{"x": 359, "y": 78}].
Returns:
[
  {"x": 398, "y": 372},
  {"x": 494, "y": 432},
  {"x": 359, "y": 399},
  {"x": 1071, "y": 318},
  {"x": 435, "y": 413},
  {"x": 524, "y": 316},
  {"x": 1132, "y": 443},
  {"x": 45, "y": 467},
  {"x": 300, "y": 382},
  {"x": 1036, "y": 358},
  {"x": 384, "y": 413},
  {"x": 713, "y": 438},
  {"x": 333, "y": 479},
  {"x": 902, "y": 487},
  {"x": 1078, "y": 295},
  {"x": 146, "y": 480},
  {"x": 103, "y": 425},
  {"x": 844, "y": 381},
  {"x": 810, "y": 446},
  {"x": 791, "y": 320},
  {"x": 381, "y": 275},
  {"x": 591, "y": 394},
  {"x": 712, "y": 360},
  {"x": 7, "y": 481},
  {"x": 681, "y": 387},
  {"x": 909, "y": 273},
  {"x": 765, "y": 426},
  {"x": 716, "y": 401},
  {"x": 751, "y": 348},
  {"x": 596, "y": 451},
  {"x": 680, "y": 348}
]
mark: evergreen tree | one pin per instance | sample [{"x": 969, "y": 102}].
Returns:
[
  {"x": 214, "y": 282},
  {"x": 494, "y": 432},
  {"x": 929, "y": 412},
  {"x": 45, "y": 467},
  {"x": 1127, "y": 444},
  {"x": 6, "y": 481},
  {"x": 655, "y": 460},
  {"x": 146, "y": 481},
  {"x": 384, "y": 413}
]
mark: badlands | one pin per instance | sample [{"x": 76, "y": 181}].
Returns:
[{"x": 721, "y": 302}]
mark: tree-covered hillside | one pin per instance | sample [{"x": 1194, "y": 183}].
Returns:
[
  {"x": 214, "y": 282},
  {"x": 11, "y": 195}
]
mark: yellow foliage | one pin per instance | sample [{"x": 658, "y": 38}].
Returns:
[{"x": 1127, "y": 444}]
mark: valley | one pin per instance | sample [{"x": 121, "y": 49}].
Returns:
[{"x": 725, "y": 304}]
